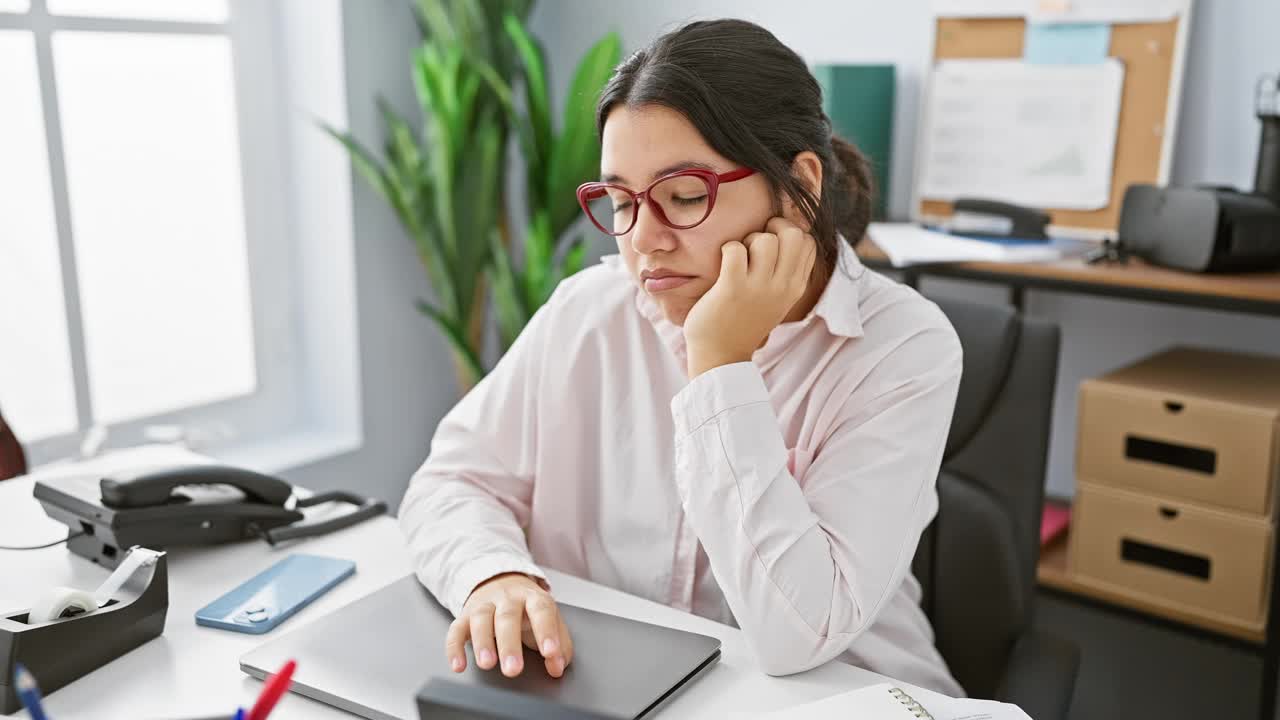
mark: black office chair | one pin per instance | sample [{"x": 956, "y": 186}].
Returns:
[{"x": 977, "y": 561}]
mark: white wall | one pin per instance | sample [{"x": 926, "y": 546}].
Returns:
[{"x": 1232, "y": 42}]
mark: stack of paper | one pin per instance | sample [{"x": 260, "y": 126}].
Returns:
[{"x": 908, "y": 244}]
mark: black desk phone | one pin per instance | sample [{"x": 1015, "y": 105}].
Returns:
[{"x": 186, "y": 505}]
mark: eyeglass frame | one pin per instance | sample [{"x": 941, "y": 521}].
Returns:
[{"x": 712, "y": 179}]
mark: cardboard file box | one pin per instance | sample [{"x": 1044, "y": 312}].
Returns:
[
  {"x": 1171, "y": 554},
  {"x": 1192, "y": 424}
]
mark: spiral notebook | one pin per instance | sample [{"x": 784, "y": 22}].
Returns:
[{"x": 888, "y": 702}]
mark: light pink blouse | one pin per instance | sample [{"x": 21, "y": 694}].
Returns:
[{"x": 785, "y": 495}]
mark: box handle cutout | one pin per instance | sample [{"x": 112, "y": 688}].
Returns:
[
  {"x": 1173, "y": 406},
  {"x": 1169, "y": 512},
  {"x": 1185, "y": 457},
  {"x": 1135, "y": 551}
]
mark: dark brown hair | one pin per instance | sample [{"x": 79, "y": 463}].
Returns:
[{"x": 755, "y": 102}]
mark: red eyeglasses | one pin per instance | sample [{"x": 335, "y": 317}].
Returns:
[{"x": 680, "y": 200}]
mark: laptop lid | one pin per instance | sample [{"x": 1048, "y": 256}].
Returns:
[{"x": 373, "y": 656}]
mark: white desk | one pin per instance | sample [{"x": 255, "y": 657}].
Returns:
[{"x": 192, "y": 671}]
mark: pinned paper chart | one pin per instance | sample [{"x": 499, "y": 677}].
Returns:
[{"x": 1037, "y": 135}]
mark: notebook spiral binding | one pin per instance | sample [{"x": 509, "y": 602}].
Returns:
[{"x": 913, "y": 707}]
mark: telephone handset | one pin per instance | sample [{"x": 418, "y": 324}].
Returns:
[
  {"x": 186, "y": 505},
  {"x": 159, "y": 487}
]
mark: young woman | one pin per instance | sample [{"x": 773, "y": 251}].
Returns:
[{"x": 732, "y": 416}]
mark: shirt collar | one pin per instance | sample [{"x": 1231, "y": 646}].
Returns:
[{"x": 838, "y": 305}]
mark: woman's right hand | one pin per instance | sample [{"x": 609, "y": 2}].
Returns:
[{"x": 502, "y": 614}]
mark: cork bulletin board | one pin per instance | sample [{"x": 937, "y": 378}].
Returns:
[{"x": 1153, "y": 57}]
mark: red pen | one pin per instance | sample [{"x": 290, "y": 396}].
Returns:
[{"x": 277, "y": 686}]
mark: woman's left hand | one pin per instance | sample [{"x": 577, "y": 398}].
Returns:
[{"x": 761, "y": 278}]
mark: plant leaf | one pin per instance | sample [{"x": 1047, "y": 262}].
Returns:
[
  {"x": 509, "y": 307},
  {"x": 538, "y": 257},
  {"x": 501, "y": 88},
  {"x": 538, "y": 107},
  {"x": 410, "y": 185},
  {"x": 456, "y": 336},
  {"x": 502, "y": 54},
  {"x": 524, "y": 130},
  {"x": 435, "y": 22},
  {"x": 404, "y": 165},
  {"x": 575, "y": 155},
  {"x": 431, "y": 73},
  {"x": 478, "y": 203},
  {"x": 469, "y": 101},
  {"x": 574, "y": 258},
  {"x": 364, "y": 162}
]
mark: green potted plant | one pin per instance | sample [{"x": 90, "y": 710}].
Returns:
[
  {"x": 446, "y": 182},
  {"x": 555, "y": 164}
]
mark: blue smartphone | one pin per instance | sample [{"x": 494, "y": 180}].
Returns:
[{"x": 275, "y": 594}]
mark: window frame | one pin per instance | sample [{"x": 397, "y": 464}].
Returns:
[{"x": 285, "y": 410}]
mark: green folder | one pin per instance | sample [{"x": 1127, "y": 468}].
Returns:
[{"x": 859, "y": 101}]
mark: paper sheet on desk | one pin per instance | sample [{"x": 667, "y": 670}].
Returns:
[
  {"x": 877, "y": 702},
  {"x": 942, "y": 707},
  {"x": 908, "y": 244},
  {"x": 1036, "y": 135}
]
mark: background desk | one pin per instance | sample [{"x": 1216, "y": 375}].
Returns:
[
  {"x": 1257, "y": 293},
  {"x": 1134, "y": 280},
  {"x": 192, "y": 671}
]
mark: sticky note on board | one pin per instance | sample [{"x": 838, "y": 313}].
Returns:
[
  {"x": 1066, "y": 43},
  {"x": 1054, "y": 6}
]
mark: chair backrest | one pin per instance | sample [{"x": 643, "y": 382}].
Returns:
[
  {"x": 977, "y": 562},
  {"x": 12, "y": 460}
]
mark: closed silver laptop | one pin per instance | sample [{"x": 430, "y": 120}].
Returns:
[{"x": 373, "y": 657}]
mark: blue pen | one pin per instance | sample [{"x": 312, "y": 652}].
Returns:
[
  {"x": 28, "y": 692},
  {"x": 239, "y": 713}
]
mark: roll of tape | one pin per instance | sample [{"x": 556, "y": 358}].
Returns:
[
  {"x": 60, "y": 603},
  {"x": 137, "y": 558}
]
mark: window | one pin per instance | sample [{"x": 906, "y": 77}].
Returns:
[
  {"x": 145, "y": 259},
  {"x": 210, "y": 11},
  {"x": 35, "y": 364}
]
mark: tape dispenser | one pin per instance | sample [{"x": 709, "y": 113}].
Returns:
[{"x": 69, "y": 632}]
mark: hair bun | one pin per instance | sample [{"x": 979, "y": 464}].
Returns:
[{"x": 857, "y": 186}]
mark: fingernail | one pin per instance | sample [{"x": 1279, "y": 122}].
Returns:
[
  {"x": 457, "y": 664},
  {"x": 510, "y": 664},
  {"x": 558, "y": 665},
  {"x": 548, "y": 646},
  {"x": 486, "y": 657}
]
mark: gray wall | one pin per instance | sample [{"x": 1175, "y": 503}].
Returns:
[
  {"x": 1231, "y": 43},
  {"x": 407, "y": 381}
]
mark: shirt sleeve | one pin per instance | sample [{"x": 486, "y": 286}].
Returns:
[
  {"x": 806, "y": 566},
  {"x": 466, "y": 508}
]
